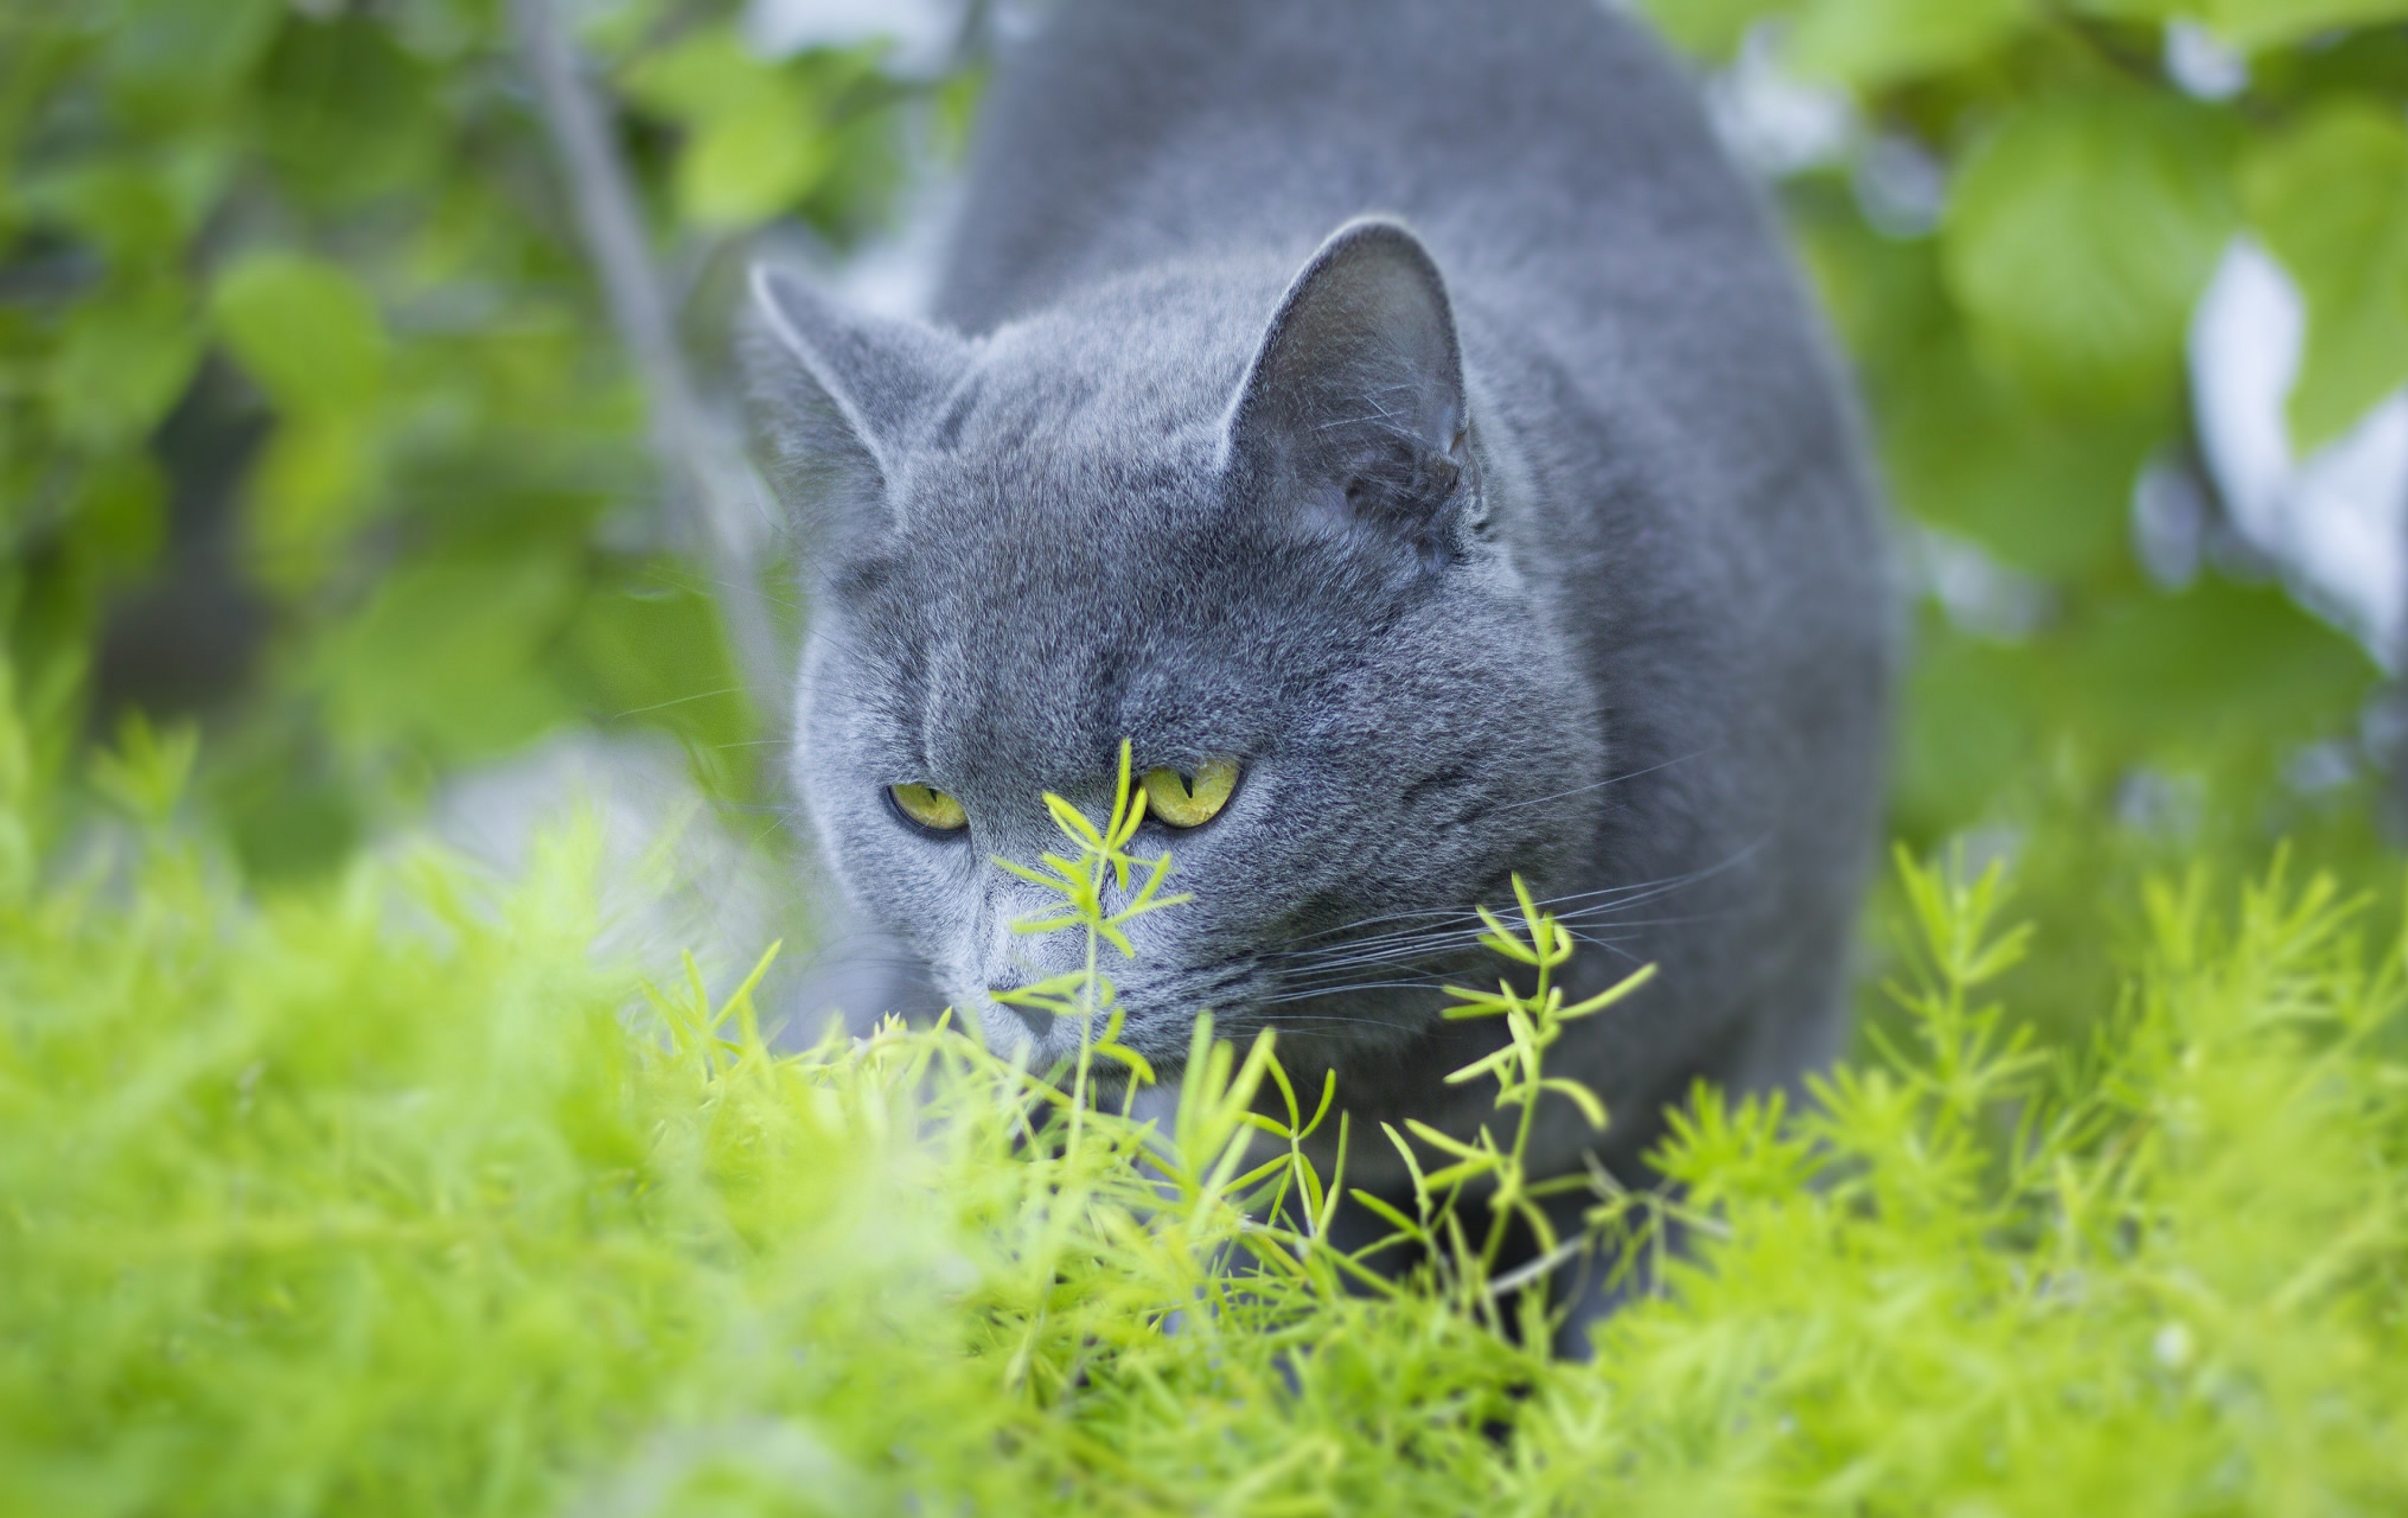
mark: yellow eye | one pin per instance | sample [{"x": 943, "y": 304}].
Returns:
[
  {"x": 929, "y": 807},
  {"x": 1170, "y": 797}
]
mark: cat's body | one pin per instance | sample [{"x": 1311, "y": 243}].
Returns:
[{"x": 1627, "y": 633}]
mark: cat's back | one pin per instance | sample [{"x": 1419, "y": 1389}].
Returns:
[{"x": 1548, "y": 140}]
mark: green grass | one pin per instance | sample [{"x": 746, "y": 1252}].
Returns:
[{"x": 390, "y": 1197}]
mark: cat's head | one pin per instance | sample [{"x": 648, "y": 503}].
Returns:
[{"x": 1224, "y": 515}]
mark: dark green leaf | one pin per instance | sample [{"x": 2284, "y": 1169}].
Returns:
[
  {"x": 174, "y": 57},
  {"x": 346, "y": 114},
  {"x": 653, "y": 653}
]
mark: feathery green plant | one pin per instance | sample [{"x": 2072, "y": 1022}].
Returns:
[
  {"x": 1533, "y": 1023},
  {"x": 393, "y": 1198},
  {"x": 1084, "y": 994}
]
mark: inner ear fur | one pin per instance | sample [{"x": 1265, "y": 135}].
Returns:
[{"x": 1355, "y": 399}]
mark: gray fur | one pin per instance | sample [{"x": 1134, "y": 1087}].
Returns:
[{"x": 1522, "y": 526}]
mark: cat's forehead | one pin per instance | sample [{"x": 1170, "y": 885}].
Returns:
[
  {"x": 1086, "y": 394},
  {"x": 1062, "y": 532},
  {"x": 1057, "y": 448},
  {"x": 1041, "y": 605},
  {"x": 1024, "y": 655}
]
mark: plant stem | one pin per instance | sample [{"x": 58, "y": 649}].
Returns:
[{"x": 717, "y": 502}]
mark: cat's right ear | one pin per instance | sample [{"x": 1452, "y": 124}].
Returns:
[
  {"x": 1355, "y": 402},
  {"x": 839, "y": 394}
]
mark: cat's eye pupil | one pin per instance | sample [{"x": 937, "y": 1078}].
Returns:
[
  {"x": 929, "y": 807},
  {"x": 1191, "y": 800}
]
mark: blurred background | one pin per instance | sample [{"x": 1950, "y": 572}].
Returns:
[{"x": 366, "y": 408}]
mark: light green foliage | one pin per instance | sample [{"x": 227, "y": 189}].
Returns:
[
  {"x": 753, "y": 151},
  {"x": 1881, "y": 41},
  {"x": 2169, "y": 1285},
  {"x": 1533, "y": 1023},
  {"x": 2254, "y": 24},
  {"x": 2079, "y": 236},
  {"x": 391, "y": 1199},
  {"x": 1089, "y": 908},
  {"x": 309, "y": 337},
  {"x": 2332, "y": 196},
  {"x": 2022, "y": 355},
  {"x": 1711, "y": 26},
  {"x": 303, "y": 329}
]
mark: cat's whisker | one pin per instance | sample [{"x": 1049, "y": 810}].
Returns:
[
  {"x": 1392, "y": 916},
  {"x": 1347, "y": 989},
  {"x": 1430, "y": 955},
  {"x": 1456, "y": 931},
  {"x": 1435, "y": 944},
  {"x": 1610, "y": 779},
  {"x": 1561, "y": 904},
  {"x": 676, "y": 701}
]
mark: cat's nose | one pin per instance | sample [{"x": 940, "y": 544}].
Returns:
[
  {"x": 1037, "y": 1019},
  {"x": 1015, "y": 960}
]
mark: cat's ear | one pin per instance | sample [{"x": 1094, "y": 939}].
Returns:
[
  {"x": 1354, "y": 403},
  {"x": 838, "y": 393}
]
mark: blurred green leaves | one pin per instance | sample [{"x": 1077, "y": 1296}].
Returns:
[
  {"x": 1877, "y": 42},
  {"x": 2329, "y": 196},
  {"x": 135, "y": 211},
  {"x": 2091, "y": 200},
  {"x": 123, "y": 358},
  {"x": 637, "y": 641},
  {"x": 168, "y": 59},
  {"x": 346, "y": 112},
  {"x": 2254, "y": 24},
  {"x": 1713, "y": 28},
  {"x": 2219, "y": 674},
  {"x": 1965, "y": 444},
  {"x": 307, "y": 332},
  {"x": 2079, "y": 234},
  {"x": 296, "y": 291},
  {"x": 749, "y": 151},
  {"x": 2098, "y": 714}
]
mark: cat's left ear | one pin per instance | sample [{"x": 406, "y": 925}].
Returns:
[
  {"x": 1354, "y": 405},
  {"x": 839, "y": 393}
]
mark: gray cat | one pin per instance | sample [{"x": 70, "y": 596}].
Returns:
[{"x": 1397, "y": 419}]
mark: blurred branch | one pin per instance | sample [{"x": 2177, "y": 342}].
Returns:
[{"x": 718, "y": 501}]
